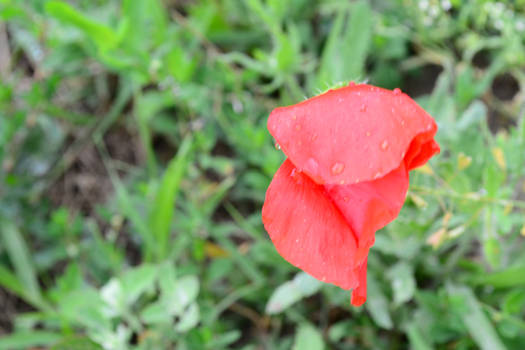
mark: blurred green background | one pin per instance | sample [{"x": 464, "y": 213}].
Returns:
[{"x": 135, "y": 157}]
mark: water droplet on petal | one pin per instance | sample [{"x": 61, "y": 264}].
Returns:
[
  {"x": 384, "y": 145},
  {"x": 311, "y": 166},
  {"x": 397, "y": 91},
  {"x": 393, "y": 111},
  {"x": 295, "y": 175},
  {"x": 297, "y": 240},
  {"x": 362, "y": 108},
  {"x": 337, "y": 168},
  {"x": 402, "y": 122},
  {"x": 277, "y": 146},
  {"x": 377, "y": 175}
]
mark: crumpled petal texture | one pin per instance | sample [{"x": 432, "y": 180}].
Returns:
[
  {"x": 349, "y": 153},
  {"x": 353, "y": 134}
]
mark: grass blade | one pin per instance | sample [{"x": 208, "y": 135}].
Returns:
[
  {"x": 474, "y": 319},
  {"x": 9, "y": 281},
  {"x": 27, "y": 340},
  {"x": 161, "y": 214},
  {"x": 101, "y": 34},
  {"x": 417, "y": 340},
  {"x": 308, "y": 338},
  {"x": 347, "y": 46},
  {"x": 20, "y": 257},
  {"x": 510, "y": 277}
]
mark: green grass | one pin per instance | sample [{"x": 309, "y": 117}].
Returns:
[{"x": 135, "y": 158}]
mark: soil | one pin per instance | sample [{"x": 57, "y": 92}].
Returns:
[
  {"x": 87, "y": 183},
  {"x": 421, "y": 82}
]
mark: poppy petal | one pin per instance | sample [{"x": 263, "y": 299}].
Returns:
[
  {"x": 308, "y": 229},
  {"x": 371, "y": 205},
  {"x": 359, "y": 293},
  {"x": 352, "y": 134},
  {"x": 426, "y": 151},
  {"x": 421, "y": 149}
]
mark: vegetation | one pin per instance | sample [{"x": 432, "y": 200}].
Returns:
[{"x": 135, "y": 158}]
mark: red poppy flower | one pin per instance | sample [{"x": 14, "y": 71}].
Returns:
[{"x": 349, "y": 153}]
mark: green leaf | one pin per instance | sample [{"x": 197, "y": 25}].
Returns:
[
  {"x": 340, "y": 330},
  {"x": 87, "y": 307},
  {"x": 161, "y": 214},
  {"x": 401, "y": 276},
  {"x": 288, "y": 293},
  {"x": 306, "y": 284},
  {"x": 188, "y": 319},
  {"x": 514, "y": 301},
  {"x": 474, "y": 319},
  {"x": 308, "y": 338},
  {"x": 222, "y": 340},
  {"x": 68, "y": 282},
  {"x": 513, "y": 276},
  {"x": 26, "y": 340},
  {"x": 185, "y": 291},
  {"x": 136, "y": 281},
  {"x": 493, "y": 179},
  {"x": 440, "y": 98},
  {"x": 377, "y": 304},
  {"x": 126, "y": 207},
  {"x": 147, "y": 106},
  {"x": 264, "y": 13},
  {"x": 417, "y": 340},
  {"x": 287, "y": 49},
  {"x": 492, "y": 249},
  {"x": 344, "y": 55},
  {"x": 168, "y": 279},
  {"x": 156, "y": 313},
  {"x": 474, "y": 114},
  {"x": 180, "y": 64},
  {"x": 176, "y": 297},
  {"x": 9, "y": 281},
  {"x": 76, "y": 343},
  {"x": 148, "y": 23},
  {"x": 21, "y": 260},
  {"x": 102, "y": 35},
  {"x": 405, "y": 248}
]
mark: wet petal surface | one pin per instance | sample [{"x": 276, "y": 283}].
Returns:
[
  {"x": 350, "y": 151},
  {"x": 308, "y": 229},
  {"x": 371, "y": 205},
  {"x": 351, "y": 134}
]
